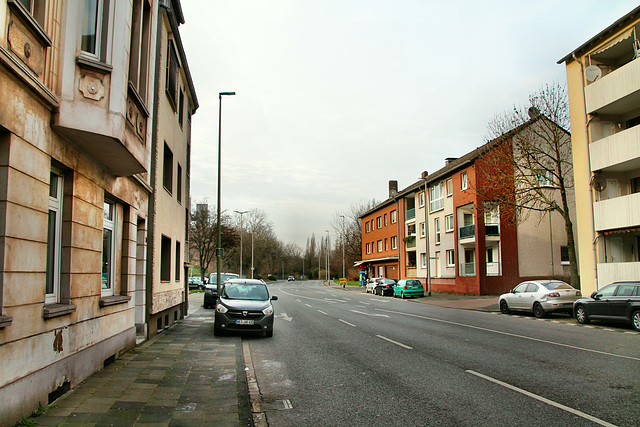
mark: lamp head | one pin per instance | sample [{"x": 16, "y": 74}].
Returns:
[{"x": 226, "y": 94}]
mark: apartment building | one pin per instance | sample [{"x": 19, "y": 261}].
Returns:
[
  {"x": 77, "y": 170},
  {"x": 604, "y": 99},
  {"x": 380, "y": 228},
  {"x": 166, "y": 288}
]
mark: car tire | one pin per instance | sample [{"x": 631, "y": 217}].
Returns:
[
  {"x": 581, "y": 315},
  {"x": 538, "y": 311},
  {"x": 635, "y": 320},
  {"x": 504, "y": 307},
  {"x": 217, "y": 332},
  {"x": 402, "y": 295}
]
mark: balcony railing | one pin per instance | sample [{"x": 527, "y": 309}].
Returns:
[
  {"x": 411, "y": 272},
  {"x": 616, "y": 150},
  {"x": 468, "y": 269},
  {"x": 619, "y": 212},
  {"x": 467, "y": 231},
  {"x": 493, "y": 269},
  {"x": 603, "y": 94},
  {"x": 491, "y": 229},
  {"x": 410, "y": 214}
]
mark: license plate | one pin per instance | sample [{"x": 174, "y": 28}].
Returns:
[{"x": 244, "y": 322}]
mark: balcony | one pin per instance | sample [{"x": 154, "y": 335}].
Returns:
[
  {"x": 410, "y": 214},
  {"x": 467, "y": 232},
  {"x": 615, "y": 93},
  {"x": 410, "y": 242},
  {"x": 619, "y": 212},
  {"x": 617, "y": 271},
  {"x": 492, "y": 230},
  {"x": 468, "y": 269},
  {"x": 619, "y": 152},
  {"x": 493, "y": 269},
  {"x": 411, "y": 272}
]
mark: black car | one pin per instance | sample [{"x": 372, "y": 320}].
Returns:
[
  {"x": 244, "y": 305},
  {"x": 384, "y": 287},
  {"x": 619, "y": 302}
]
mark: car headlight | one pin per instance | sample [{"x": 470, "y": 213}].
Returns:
[
  {"x": 268, "y": 310},
  {"x": 221, "y": 309}
]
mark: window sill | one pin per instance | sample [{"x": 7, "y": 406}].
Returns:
[
  {"x": 55, "y": 310},
  {"x": 114, "y": 300},
  {"x": 5, "y": 321},
  {"x": 93, "y": 65}
]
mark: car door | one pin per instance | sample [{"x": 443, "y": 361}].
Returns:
[
  {"x": 529, "y": 296},
  {"x": 620, "y": 302},
  {"x": 514, "y": 300},
  {"x": 599, "y": 306}
]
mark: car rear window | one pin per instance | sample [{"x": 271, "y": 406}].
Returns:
[{"x": 557, "y": 285}]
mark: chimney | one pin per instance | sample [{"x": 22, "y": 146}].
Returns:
[
  {"x": 424, "y": 174},
  {"x": 449, "y": 160},
  {"x": 393, "y": 188}
]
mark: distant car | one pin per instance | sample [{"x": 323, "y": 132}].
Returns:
[
  {"x": 408, "y": 288},
  {"x": 618, "y": 302},
  {"x": 384, "y": 287},
  {"x": 211, "y": 288},
  {"x": 195, "y": 283},
  {"x": 371, "y": 284},
  {"x": 291, "y": 279},
  {"x": 244, "y": 305},
  {"x": 540, "y": 297}
]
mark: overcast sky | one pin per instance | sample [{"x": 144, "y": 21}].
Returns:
[{"x": 337, "y": 97}]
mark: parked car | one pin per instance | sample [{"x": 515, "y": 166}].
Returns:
[
  {"x": 408, "y": 288},
  {"x": 371, "y": 284},
  {"x": 195, "y": 283},
  {"x": 244, "y": 305},
  {"x": 540, "y": 297},
  {"x": 384, "y": 287},
  {"x": 211, "y": 288},
  {"x": 618, "y": 302},
  {"x": 291, "y": 279}
]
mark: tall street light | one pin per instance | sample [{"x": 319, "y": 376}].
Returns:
[
  {"x": 219, "y": 248},
  {"x": 343, "y": 272},
  {"x": 241, "y": 233},
  {"x": 426, "y": 235},
  {"x": 328, "y": 248}
]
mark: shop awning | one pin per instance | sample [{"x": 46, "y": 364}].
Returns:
[{"x": 376, "y": 260}]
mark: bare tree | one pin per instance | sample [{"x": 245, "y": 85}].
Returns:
[
  {"x": 202, "y": 236},
  {"x": 531, "y": 154}
]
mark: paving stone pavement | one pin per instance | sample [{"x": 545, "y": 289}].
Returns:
[{"x": 182, "y": 377}]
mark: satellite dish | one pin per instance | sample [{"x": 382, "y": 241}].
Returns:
[
  {"x": 599, "y": 184},
  {"x": 592, "y": 73}
]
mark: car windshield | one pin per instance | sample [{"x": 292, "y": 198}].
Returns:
[
  {"x": 244, "y": 291},
  {"x": 556, "y": 285}
]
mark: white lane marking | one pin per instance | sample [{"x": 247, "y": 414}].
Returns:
[
  {"x": 287, "y": 404},
  {"x": 298, "y": 300},
  {"x": 350, "y": 324},
  {"x": 326, "y": 314},
  {"x": 284, "y": 316},
  {"x": 369, "y": 314},
  {"x": 311, "y": 298},
  {"x": 308, "y": 306},
  {"x": 512, "y": 335},
  {"x": 395, "y": 342},
  {"x": 542, "y": 399}
]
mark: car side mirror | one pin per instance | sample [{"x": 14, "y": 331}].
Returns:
[
  {"x": 274, "y": 298},
  {"x": 513, "y": 291},
  {"x": 595, "y": 295}
]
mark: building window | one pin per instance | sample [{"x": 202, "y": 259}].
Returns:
[
  {"x": 379, "y": 222},
  {"x": 564, "y": 255},
  {"x": 167, "y": 176},
  {"x": 35, "y": 8},
  {"x": 394, "y": 216},
  {"x": 544, "y": 178},
  {"x": 373, "y": 225},
  {"x": 385, "y": 220},
  {"x": 423, "y": 231},
  {"x": 463, "y": 180},
  {"x": 172, "y": 74},
  {"x": 181, "y": 108},
  {"x": 423, "y": 260},
  {"x": 436, "y": 225},
  {"x": 108, "y": 248},
  {"x": 421, "y": 199},
  {"x": 379, "y": 245},
  {"x": 368, "y": 248},
  {"x": 436, "y": 201},
  {"x": 177, "y": 269},
  {"x": 54, "y": 237},
  {"x": 386, "y": 244},
  {"x": 448, "y": 223},
  {"x": 367, "y": 227},
  {"x": 451, "y": 258},
  {"x": 179, "y": 184},
  {"x": 394, "y": 242},
  {"x": 93, "y": 27},
  {"x": 139, "y": 57},
  {"x": 165, "y": 259},
  {"x": 449, "y": 187}
]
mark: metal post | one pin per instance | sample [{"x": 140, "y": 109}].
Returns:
[{"x": 343, "y": 270}]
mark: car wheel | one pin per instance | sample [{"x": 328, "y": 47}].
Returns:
[
  {"x": 581, "y": 315},
  {"x": 635, "y": 320},
  {"x": 504, "y": 307},
  {"x": 538, "y": 311},
  {"x": 217, "y": 332},
  {"x": 402, "y": 295}
]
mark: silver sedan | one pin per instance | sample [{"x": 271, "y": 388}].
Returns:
[{"x": 540, "y": 297}]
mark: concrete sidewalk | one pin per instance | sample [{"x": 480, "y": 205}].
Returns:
[
  {"x": 465, "y": 302},
  {"x": 182, "y": 377}
]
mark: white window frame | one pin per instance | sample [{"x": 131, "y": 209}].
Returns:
[
  {"x": 436, "y": 197},
  {"x": 109, "y": 224},
  {"x": 367, "y": 227},
  {"x": 85, "y": 24},
  {"x": 368, "y": 248},
  {"x": 449, "y": 187},
  {"x": 423, "y": 231},
  {"x": 386, "y": 244},
  {"x": 423, "y": 260},
  {"x": 54, "y": 251},
  {"x": 421, "y": 199},
  {"x": 449, "y": 225},
  {"x": 380, "y": 245},
  {"x": 436, "y": 227},
  {"x": 394, "y": 216},
  {"x": 394, "y": 242},
  {"x": 379, "y": 221},
  {"x": 464, "y": 181},
  {"x": 544, "y": 179},
  {"x": 451, "y": 257}
]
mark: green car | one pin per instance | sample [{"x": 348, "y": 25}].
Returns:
[{"x": 408, "y": 288}]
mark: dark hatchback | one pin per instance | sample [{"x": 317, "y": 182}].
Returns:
[
  {"x": 244, "y": 305},
  {"x": 618, "y": 302}
]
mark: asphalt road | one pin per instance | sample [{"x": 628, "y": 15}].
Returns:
[{"x": 342, "y": 358}]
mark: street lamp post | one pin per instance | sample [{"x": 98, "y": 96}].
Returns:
[
  {"x": 426, "y": 235},
  {"x": 328, "y": 248},
  {"x": 343, "y": 271},
  {"x": 219, "y": 248},
  {"x": 241, "y": 233}
]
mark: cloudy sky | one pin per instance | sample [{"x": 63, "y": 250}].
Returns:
[{"x": 337, "y": 97}]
